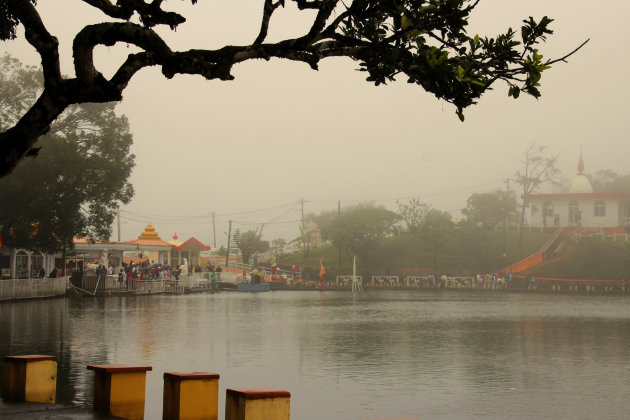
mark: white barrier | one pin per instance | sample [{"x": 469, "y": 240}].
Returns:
[
  {"x": 150, "y": 286},
  {"x": 385, "y": 281},
  {"x": 419, "y": 281},
  {"x": 347, "y": 280},
  {"x": 32, "y": 288}
]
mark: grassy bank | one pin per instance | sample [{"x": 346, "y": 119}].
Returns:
[
  {"x": 589, "y": 259},
  {"x": 479, "y": 251}
]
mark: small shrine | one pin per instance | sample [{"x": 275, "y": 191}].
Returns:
[
  {"x": 580, "y": 207},
  {"x": 188, "y": 251},
  {"x": 149, "y": 245}
]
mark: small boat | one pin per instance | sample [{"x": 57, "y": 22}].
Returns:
[
  {"x": 279, "y": 285},
  {"x": 227, "y": 285},
  {"x": 254, "y": 287}
]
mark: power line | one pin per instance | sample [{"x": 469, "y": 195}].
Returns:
[
  {"x": 197, "y": 219},
  {"x": 162, "y": 222},
  {"x": 258, "y": 211},
  {"x": 413, "y": 196},
  {"x": 265, "y": 223},
  {"x": 162, "y": 217}
]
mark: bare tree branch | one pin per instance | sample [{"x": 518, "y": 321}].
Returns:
[
  {"x": 150, "y": 14},
  {"x": 268, "y": 10},
  {"x": 387, "y": 39},
  {"x": 39, "y": 37}
]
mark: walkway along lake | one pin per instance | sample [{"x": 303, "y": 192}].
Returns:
[{"x": 434, "y": 354}]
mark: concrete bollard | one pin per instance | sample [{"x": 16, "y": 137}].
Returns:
[
  {"x": 119, "y": 390},
  {"x": 31, "y": 378},
  {"x": 188, "y": 396},
  {"x": 257, "y": 404}
]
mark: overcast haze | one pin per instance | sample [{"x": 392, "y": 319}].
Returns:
[{"x": 282, "y": 132}]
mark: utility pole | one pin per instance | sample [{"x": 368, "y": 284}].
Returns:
[
  {"x": 339, "y": 214},
  {"x": 302, "y": 230},
  {"x": 118, "y": 209},
  {"x": 227, "y": 254},
  {"x": 214, "y": 232},
  {"x": 505, "y": 226}
]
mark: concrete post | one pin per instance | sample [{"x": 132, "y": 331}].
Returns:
[
  {"x": 119, "y": 390},
  {"x": 31, "y": 378},
  {"x": 257, "y": 404},
  {"x": 191, "y": 396}
]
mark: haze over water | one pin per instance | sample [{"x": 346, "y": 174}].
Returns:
[{"x": 423, "y": 354}]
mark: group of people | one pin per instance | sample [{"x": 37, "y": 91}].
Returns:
[
  {"x": 25, "y": 273},
  {"x": 257, "y": 274},
  {"x": 480, "y": 281},
  {"x": 556, "y": 220},
  {"x": 494, "y": 281},
  {"x": 577, "y": 218},
  {"x": 131, "y": 274}
]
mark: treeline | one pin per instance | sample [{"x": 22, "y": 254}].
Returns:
[{"x": 416, "y": 237}]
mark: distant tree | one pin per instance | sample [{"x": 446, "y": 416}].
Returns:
[
  {"x": 251, "y": 243},
  {"x": 537, "y": 170},
  {"x": 303, "y": 240},
  {"x": 436, "y": 232},
  {"x": 413, "y": 213},
  {"x": 76, "y": 187},
  {"x": 323, "y": 219},
  {"x": 424, "y": 41},
  {"x": 609, "y": 181},
  {"x": 222, "y": 251},
  {"x": 358, "y": 230},
  {"x": 489, "y": 209},
  {"x": 278, "y": 245},
  {"x": 236, "y": 235}
]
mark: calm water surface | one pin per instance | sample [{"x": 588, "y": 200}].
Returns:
[{"x": 424, "y": 354}]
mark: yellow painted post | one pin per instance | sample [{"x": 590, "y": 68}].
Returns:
[
  {"x": 191, "y": 396},
  {"x": 119, "y": 390},
  {"x": 31, "y": 378},
  {"x": 257, "y": 404}
]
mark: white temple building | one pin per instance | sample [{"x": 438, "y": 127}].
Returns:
[{"x": 580, "y": 207}]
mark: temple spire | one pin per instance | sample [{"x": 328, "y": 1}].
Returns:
[{"x": 580, "y": 165}]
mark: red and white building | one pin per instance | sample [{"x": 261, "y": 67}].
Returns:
[{"x": 580, "y": 207}]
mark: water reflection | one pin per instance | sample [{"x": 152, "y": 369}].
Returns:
[{"x": 426, "y": 354}]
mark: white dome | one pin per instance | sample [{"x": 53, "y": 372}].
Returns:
[{"x": 581, "y": 185}]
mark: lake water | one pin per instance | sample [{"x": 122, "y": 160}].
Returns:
[{"x": 426, "y": 354}]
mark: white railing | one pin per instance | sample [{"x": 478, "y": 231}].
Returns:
[
  {"x": 604, "y": 236},
  {"x": 228, "y": 277},
  {"x": 33, "y": 288},
  {"x": 347, "y": 280},
  {"x": 151, "y": 286},
  {"x": 385, "y": 281},
  {"x": 418, "y": 281}
]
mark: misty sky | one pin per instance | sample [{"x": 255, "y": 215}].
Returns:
[{"x": 282, "y": 132}]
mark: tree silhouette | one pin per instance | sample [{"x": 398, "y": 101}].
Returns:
[{"x": 424, "y": 41}]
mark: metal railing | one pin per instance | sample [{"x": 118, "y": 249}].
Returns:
[
  {"x": 166, "y": 284},
  {"x": 33, "y": 288},
  {"x": 389, "y": 282}
]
